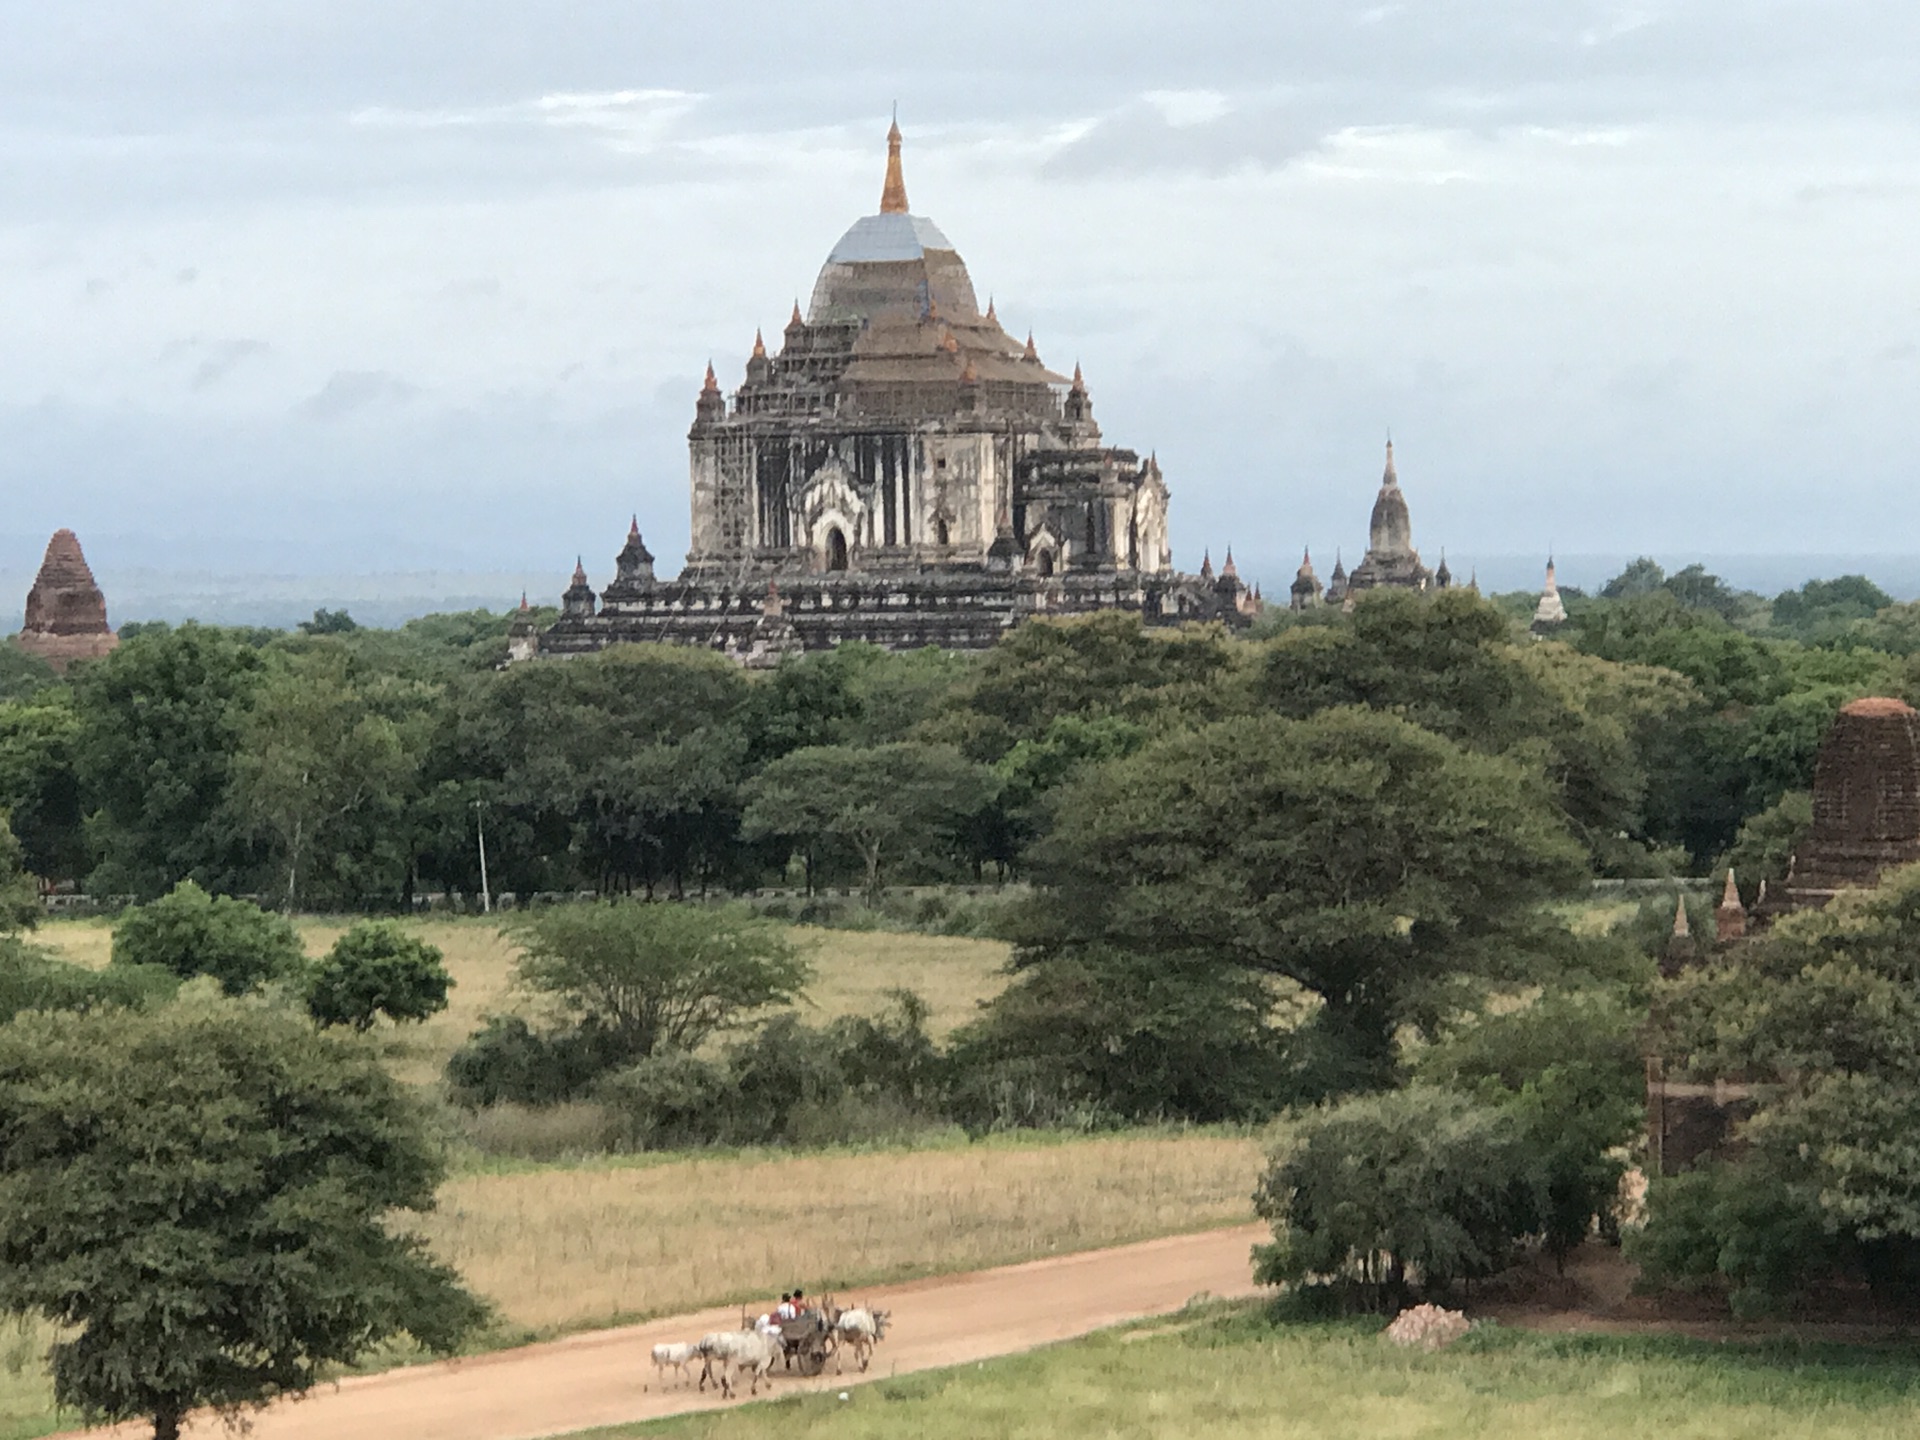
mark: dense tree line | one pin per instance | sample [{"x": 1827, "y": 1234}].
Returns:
[{"x": 337, "y": 766}]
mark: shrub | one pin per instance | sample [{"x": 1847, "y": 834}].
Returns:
[
  {"x": 1738, "y": 1228},
  {"x": 378, "y": 968},
  {"x": 1412, "y": 1186},
  {"x": 190, "y": 932},
  {"x": 669, "y": 1101},
  {"x": 31, "y": 979},
  {"x": 508, "y": 1060}
]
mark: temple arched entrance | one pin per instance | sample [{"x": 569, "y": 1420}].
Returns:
[
  {"x": 1043, "y": 562},
  {"x": 836, "y": 549}
]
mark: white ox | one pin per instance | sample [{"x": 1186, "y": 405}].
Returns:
[
  {"x": 676, "y": 1357},
  {"x": 729, "y": 1354},
  {"x": 859, "y": 1330}
]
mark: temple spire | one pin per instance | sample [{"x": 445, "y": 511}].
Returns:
[
  {"x": 759, "y": 345},
  {"x": 1392, "y": 476},
  {"x": 893, "y": 194},
  {"x": 1032, "y": 353}
]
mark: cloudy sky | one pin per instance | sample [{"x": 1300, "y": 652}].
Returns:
[{"x": 334, "y": 286}]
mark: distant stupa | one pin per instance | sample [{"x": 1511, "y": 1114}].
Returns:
[{"x": 66, "y": 616}]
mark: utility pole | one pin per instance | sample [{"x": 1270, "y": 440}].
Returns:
[{"x": 480, "y": 823}]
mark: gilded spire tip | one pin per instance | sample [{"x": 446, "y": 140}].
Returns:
[{"x": 893, "y": 194}]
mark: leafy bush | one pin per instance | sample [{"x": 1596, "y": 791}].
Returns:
[
  {"x": 508, "y": 1060},
  {"x": 378, "y": 968},
  {"x": 31, "y": 979},
  {"x": 190, "y": 932},
  {"x": 1133, "y": 1037},
  {"x": 1736, "y": 1227},
  {"x": 1412, "y": 1186},
  {"x": 669, "y": 1102}
]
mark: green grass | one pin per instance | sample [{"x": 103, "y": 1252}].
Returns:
[
  {"x": 26, "y": 1390},
  {"x": 1235, "y": 1376}
]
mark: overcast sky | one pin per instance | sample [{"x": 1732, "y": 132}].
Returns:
[{"x": 334, "y": 286}]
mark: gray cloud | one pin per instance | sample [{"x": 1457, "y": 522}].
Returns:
[
  {"x": 221, "y": 358},
  {"x": 348, "y": 392}
]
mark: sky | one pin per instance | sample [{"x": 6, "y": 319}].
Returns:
[{"x": 334, "y": 288}]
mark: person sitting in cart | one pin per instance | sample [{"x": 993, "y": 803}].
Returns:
[
  {"x": 786, "y": 1310},
  {"x": 800, "y": 1303}
]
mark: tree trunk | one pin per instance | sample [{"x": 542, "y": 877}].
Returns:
[{"x": 166, "y": 1424}]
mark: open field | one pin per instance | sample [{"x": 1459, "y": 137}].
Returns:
[
  {"x": 1236, "y": 1378},
  {"x": 563, "y": 1249},
  {"x": 854, "y": 969}
]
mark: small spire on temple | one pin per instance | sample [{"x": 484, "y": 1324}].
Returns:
[
  {"x": 759, "y": 345},
  {"x": 713, "y": 381},
  {"x": 524, "y": 607},
  {"x": 1680, "y": 930},
  {"x": 1229, "y": 569},
  {"x": 893, "y": 194},
  {"x": 1391, "y": 477},
  {"x": 579, "y": 570},
  {"x": 796, "y": 322},
  {"x": 1206, "y": 564},
  {"x": 1079, "y": 380},
  {"x": 1032, "y": 353},
  {"x": 992, "y": 319}
]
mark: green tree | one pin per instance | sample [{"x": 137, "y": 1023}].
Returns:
[
  {"x": 159, "y": 727},
  {"x": 1766, "y": 844},
  {"x": 190, "y": 932},
  {"x": 312, "y": 754},
  {"x": 202, "y": 1198},
  {"x": 1642, "y": 577},
  {"x": 39, "y": 785},
  {"x": 378, "y": 967},
  {"x": 33, "y": 979},
  {"x": 19, "y": 895},
  {"x": 329, "y": 622},
  {"x": 1383, "y": 1188},
  {"x": 1353, "y": 853},
  {"x": 656, "y": 976},
  {"x": 1823, "y": 609},
  {"x": 881, "y": 801},
  {"x": 24, "y": 676}
]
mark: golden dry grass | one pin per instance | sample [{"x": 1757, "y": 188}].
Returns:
[
  {"x": 564, "y": 1249},
  {"x": 853, "y": 970}
]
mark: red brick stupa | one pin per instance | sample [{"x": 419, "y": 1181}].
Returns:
[
  {"x": 1866, "y": 802},
  {"x": 66, "y": 613}
]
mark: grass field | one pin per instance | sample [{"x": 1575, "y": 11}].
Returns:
[
  {"x": 1237, "y": 1378},
  {"x": 559, "y": 1249},
  {"x": 853, "y": 970}
]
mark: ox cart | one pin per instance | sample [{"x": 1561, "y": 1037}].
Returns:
[{"x": 807, "y": 1341}]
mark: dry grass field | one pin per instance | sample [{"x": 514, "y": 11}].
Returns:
[
  {"x": 561, "y": 1249},
  {"x": 853, "y": 970}
]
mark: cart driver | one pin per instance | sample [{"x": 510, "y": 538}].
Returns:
[
  {"x": 800, "y": 1304},
  {"x": 788, "y": 1309}
]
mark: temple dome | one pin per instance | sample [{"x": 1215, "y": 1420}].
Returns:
[{"x": 894, "y": 265}]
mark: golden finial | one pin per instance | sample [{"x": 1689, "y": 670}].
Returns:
[
  {"x": 795, "y": 322},
  {"x": 759, "y": 346},
  {"x": 1032, "y": 353},
  {"x": 893, "y": 194},
  {"x": 712, "y": 387},
  {"x": 992, "y": 319}
]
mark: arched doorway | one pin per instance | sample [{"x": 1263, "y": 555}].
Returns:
[
  {"x": 1043, "y": 562},
  {"x": 940, "y": 532},
  {"x": 836, "y": 549}
]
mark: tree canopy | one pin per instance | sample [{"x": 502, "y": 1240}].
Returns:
[{"x": 201, "y": 1198}]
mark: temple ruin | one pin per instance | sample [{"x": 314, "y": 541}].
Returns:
[
  {"x": 900, "y": 470},
  {"x": 1866, "y": 802},
  {"x": 66, "y": 617}
]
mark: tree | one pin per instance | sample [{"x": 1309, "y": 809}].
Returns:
[
  {"x": 1382, "y": 1189},
  {"x": 312, "y": 752},
  {"x": 190, "y": 932},
  {"x": 378, "y": 968},
  {"x": 1354, "y": 853},
  {"x": 159, "y": 726},
  {"x": 1642, "y": 577},
  {"x": 39, "y": 786},
  {"x": 880, "y": 801},
  {"x": 657, "y": 976},
  {"x": 19, "y": 895},
  {"x": 329, "y": 622},
  {"x": 202, "y": 1199},
  {"x": 1822, "y": 1012},
  {"x": 1823, "y": 609}
]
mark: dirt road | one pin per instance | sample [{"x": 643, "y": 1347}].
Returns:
[{"x": 603, "y": 1378}]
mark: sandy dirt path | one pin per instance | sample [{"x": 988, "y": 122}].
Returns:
[{"x": 606, "y": 1378}]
